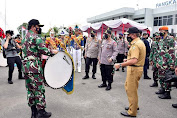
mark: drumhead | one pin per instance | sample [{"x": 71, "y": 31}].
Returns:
[
  {"x": 58, "y": 70},
  {"x": 3, "y": 61}
]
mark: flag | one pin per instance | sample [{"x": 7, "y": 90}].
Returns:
[
  {"x": 2, "y": 34},
  {"x": 24, "y": 31}
]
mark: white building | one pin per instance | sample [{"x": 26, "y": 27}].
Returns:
[{"x": 164, "y": 15}]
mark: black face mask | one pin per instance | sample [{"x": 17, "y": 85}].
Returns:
[
  {"x": 120, "y": 37},
  {"x": 129, "y": 39},
  {"x": 92, "y": 35},
  {"x": 39, "y": 30},
  {"x": 162, "y": 34},
  {"x": 106, "y": 36}
]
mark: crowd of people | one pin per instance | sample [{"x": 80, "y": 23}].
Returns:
[{"x": 133, "y": 50}]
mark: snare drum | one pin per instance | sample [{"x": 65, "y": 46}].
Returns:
[{"x": 58, "y": 70}]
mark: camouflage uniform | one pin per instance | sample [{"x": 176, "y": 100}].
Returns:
[
  {"x": 153, "y": 58},
  {"x": 165, "y": 60},
  {"x": 32, "y": 48}
]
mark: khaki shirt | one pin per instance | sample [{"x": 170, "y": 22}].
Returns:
[
  {"x": 138, "y": 51},
  {"x": 92, "y": 48}
]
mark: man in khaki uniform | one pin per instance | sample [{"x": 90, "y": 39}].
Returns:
[
  {"x": 135, "y": 62},
  {"x": 91, "y": 54}
]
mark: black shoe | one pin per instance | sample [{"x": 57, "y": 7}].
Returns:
[
  {"x": 21, "y": 78},
  {"x": 126, "y": 114},
  {"x": 123, "y": 70},
  {"x": 166, "y": 95},
  {"x": 43, "y": 114},
  {"x": 174, "y": 84},
  {"x": 174, "y": 105},
  {"x": 161, "y": 91},
  {"x": 108, "y": 88},
  {"x": 155, "y": 84},
  {"x": 34, "y": 112},
  {"x": 10, "y": 82},
  {"x": 117, "y": 70},
  {"x": 147, "y": 77},
  {"x": 93, "y": 76},
  {"x": 127, "y": 108},
  {"x": 102, "y": 85},
  {"x": 85, "y": 77}
]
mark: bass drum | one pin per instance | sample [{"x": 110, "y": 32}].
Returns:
[
  {"x": 3, "y": 61},
  {"x": 58, "y": 70}
]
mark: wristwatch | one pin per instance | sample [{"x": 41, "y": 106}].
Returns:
[{"x": 120, "y": 65}]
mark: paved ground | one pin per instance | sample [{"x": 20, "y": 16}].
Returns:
[{"x": 87, "y": 101}]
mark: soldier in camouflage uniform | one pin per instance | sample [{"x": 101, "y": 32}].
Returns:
[
  {"x": 153, "y": 58},
  {"x": 165, "y": 62},
  {"x": 33, "y": 47}
]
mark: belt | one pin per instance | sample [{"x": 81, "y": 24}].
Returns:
[
  {"x": 135, "y": 66},
  {"x": 29, "y": 58}
]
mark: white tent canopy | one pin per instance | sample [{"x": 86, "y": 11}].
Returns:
[{"x": 120, "y": 25}]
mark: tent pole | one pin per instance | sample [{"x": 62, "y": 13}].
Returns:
[
  {"x": 102, "y": 31},
  {"x": 123, "y": 29}
]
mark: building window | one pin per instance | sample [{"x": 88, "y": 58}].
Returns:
[
  {"x": 176, "y": 19},
  {"x": 141, "y": 18},
  {"x": 170, "y": 20},
  {"x": 164, "y": 20}
]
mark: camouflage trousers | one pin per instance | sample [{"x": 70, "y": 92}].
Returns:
[
  {"x": 155, "y": 74},
  {"x": 161, "y": 76},
  {"x": 35, "y": 90}
]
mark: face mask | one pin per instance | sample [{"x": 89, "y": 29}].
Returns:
[
  {"x": 162, "y": 34},
  {"x": 120, "y": 37},
  {"x": 129, "y": 39},
  {"x": 106, "y": 36},
  {"x": 38, "y": 30},
  {"x": 92, "y": 35}
]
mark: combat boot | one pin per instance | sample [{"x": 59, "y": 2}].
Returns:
[
  {"x": 174, "y": 105},
  {"x": 93, "y": 76},
  {"x": 86, "y": 76},
  {"x": 34, "y": 111},
  {"x": 155, "y": 84},
  {"x": 43, "y": 114},
  {"x": 20, "y": 76},
  {"x": 108, "y": 87},
  {"x": 161, "y": 91},
  {"x": 166, "y": 95}
]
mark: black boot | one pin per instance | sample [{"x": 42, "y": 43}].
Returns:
[
  {"x": 93, "y": 76},
  {"x": 108, "y": 87},
  {"x": 155, "y": 84},
  {"x": 43, "y": 114},
  {"x": 20, "y": 76},
  {"x": 123, "y": 69},
  {"x": 174, "y": 105},
  {"x": 34, "y": 111},
  {"x": 102, "y": 85},
  {"x": 161, "y": 91},
  {"x": 174, "y": 84},
  {"x": 166, "y": 95},
  {"x": 147, "y": 77},
  {"x": 10, "y": 82},
  {"x": 86, "y": 76}
]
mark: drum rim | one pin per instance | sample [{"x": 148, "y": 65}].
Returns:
[{"x": 71, "y": 73}]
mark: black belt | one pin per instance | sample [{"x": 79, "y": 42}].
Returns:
[{"x": 135, "y": 66}]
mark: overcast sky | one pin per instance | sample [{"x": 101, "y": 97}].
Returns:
[{"x": 61, "y": 12}]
